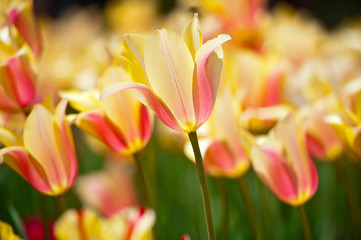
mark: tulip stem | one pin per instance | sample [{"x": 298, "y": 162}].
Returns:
[
  {"x": 44, "y": 216},
  {"x": 350, "y": 198},
  {"x": 204, "y": 187},
  {"x": 60, "y": 203},
  {"x": 143, "y": 179},
  {"x": 243, "y": 187},
  {"x": 223, "y": 192},
  {"x": 304, "y": 222},
  {"x": 18, "y": 224}
]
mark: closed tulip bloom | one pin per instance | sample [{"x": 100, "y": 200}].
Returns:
[
  {"x": 17, "y": 87},
  {"x": 322, "y": 140},
  {"x": 283, "y": 163},
  {"x": 183, "y": 76},
  {"x": 49, "y": 163},
  {"x": 108, "y": 191},
  {"x": 21, "y": 15},
  {"x": 120, "y": 121},
  {"x": 220, "y": 142}
]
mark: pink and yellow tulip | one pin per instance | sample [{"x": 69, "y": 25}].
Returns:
[
  {"x": 108, "y": 191},
  {"x": 321, "y": 139},
  {"x": 17, "y": 87},
  {"x": 284, "y": 165},
  {"x": 49, "y": 164},
  {"x": 182, "y": 76},
  {"x": 20, "y": 14},
  {"x": 220, "y": 141},
  {"x": 257, "y": 81},
  {"x": 120, "y": 121},
  {"x": 129, "y": 224}
]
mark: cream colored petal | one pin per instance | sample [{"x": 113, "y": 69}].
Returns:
[
  {"x": 192, "y": 36},
  {"x": 40, "y": 126},
  {"x": 133, "y": 51},
  {"x": 169, "y": 66}
]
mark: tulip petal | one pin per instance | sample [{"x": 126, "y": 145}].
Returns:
[
  {"x": 26, "y": 166},
  {"x": 116, "y": 105},
  {"x": 40, "y": 124},
  {"x": 220, "y": 160},
  {"x": 27, "y": 25},
  {"x": 7, "y": 137},
  {"x": 275, "y": 172},
  {"x": 169, "y": 67},
  {"x": 192, "y": 36},
  {"x": 95, "y": 123},
  {"x": 65, "y": 142},
  {"x": 133, "y": 52},
  {"x": 295, "y": 146},
  {"x": 145, "y": 96},
  {"x": 209, "y": 63}
]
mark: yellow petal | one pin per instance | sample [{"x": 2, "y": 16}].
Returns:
[
  {"x": 169, "y": 66},
  {"x": 133, "y": 52},
  {"x": 192, "y": 36},
  {"x": 40, "y": 126}
]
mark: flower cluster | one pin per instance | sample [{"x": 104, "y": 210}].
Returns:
[{"x": 246, "y": 90}]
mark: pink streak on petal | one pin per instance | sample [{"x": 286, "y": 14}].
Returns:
[
  {"x": 22, "y": 162},
  {"x": 218, "y": 155},
  {"x": 205, "y": 84},
  {"x": 273, "y": 92},
  {"x": 28, "y": 27},
  {"x": 314, "y": 175},
  {"x": 146, "y": 123},
  {"x": 280, "y": 177},
  {"x": 315, "y": 148},
  {"x": 145, "y": 96},
  {"x": 22, "y": 80},
  {"x": 105, "y": 130},
  {"x": 66, "y": 144}
]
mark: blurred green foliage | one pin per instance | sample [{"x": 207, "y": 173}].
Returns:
[{"x": 178, "y": 203}]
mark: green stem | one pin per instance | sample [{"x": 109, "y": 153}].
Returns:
[
  {"x": 304, "y": 222},
  {"x": 60, "y": 203},
  {"x": 143, "y": 179},
  {"x": 18, "y": 224},
  {"x": 249, "y": 205},
  {"x": 44, "y": 215},
  {"x": 204, "y": 187},
  {"x": 350, "y": 198},
  {"x": 225, "y": 209}
]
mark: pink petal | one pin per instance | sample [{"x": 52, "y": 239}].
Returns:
[
  {"x": 145, "y": 96},
  {"x": 96, "y": 124},
  {"x": 27, "y": 167},
  {"x": 21, "y": 78},
  {"x": 66, "y": 144},
  {"x": 276, "y": 173},
  {"x": 27, "y": 25},
  {"x": 205, "y": 86}
]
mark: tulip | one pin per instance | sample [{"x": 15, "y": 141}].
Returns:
[
  {"x": 321, "y": 139},
  {"x": 17, "y": 89},
  {"x": 181, "y": 85},
  {"x": 183, "y": 76},
  {"x": 108, "y": 191},
  {"x": 283, "y": 163},
  {"x": 49, "y": 164},
  {"x": 106, "y": 120},
  {"x": 21, "y": 15},
  {"x": 6, "y": 232},
  {"x": 258, "y": 81},
  {"x": 129, "y": 224},
  {"x": 221, "y": 143}
]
